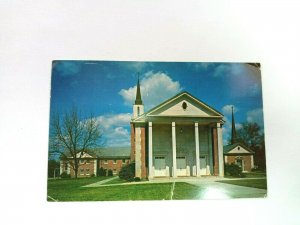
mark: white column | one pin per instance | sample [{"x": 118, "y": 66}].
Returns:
[
  {"x": 61, "y": 167},
  {"x": 150, "y": 156},
  {"x": 174, "y": 149},
  {"x": 197, "y": 150},
  {"x": 252, "y": 162},
  {"x": 220, "y": 150},
  {"x": 95, "y": 167},
  {"x": 69, "y": 169}
]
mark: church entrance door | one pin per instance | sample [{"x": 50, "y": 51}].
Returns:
[
  {"x": 203, "y": 165},
  {"x": 181, "y": 166},
  {"x": 160, "y": 166}
]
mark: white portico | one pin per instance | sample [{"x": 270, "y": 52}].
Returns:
[{"x": 182, "y": 137}]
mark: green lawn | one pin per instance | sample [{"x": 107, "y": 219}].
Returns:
[
  {"x": 255, "y": 174},
  {"x": 255, "y": 183},
  {"x": 117, "y": 181},
  {"x": 72, "y": 190}
]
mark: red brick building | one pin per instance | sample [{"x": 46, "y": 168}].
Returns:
[
  {"x": 237, "y": 153},
  {"x": 91, "y": 161},
  {"x": 240, "y": 155}
]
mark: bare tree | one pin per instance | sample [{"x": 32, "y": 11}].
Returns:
[{"x": 72, "y": 135}]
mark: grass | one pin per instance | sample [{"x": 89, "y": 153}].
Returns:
[
  {"x": 185, "y": 191},
  {"x": 255, "y": 174},
  {"x": 116, "y": 181},
  {"x": 70, "y": 190},
  {"x": 255, "y": 183}
]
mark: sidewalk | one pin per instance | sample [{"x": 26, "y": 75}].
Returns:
[{"x": 100, "y": 183}]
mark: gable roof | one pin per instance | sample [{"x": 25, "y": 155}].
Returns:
[
  {"x": 113, "y": 152},
  {"x": 228, "y": 148},
  {"x": 184, "y": 93}
]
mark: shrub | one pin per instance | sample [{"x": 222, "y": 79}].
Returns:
[
  {"x": 102, "y": 172},
  {"x": 233, "y": 170},
  {"x": 110, "y": 173},
  {"x": 65, "y": 175},
  {"x": 127, "y": 172},
  {"x": 136, "y": 179},
  {"x": 93, "y": 175}
]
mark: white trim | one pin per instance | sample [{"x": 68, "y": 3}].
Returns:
[
  {"x": 185, "y": 93},
  {"x": 197, "y": 150},
  {"x": 174, "y": 149},
  {"x": 95, "y": 167},
  {"x": 150, "y": 150}
]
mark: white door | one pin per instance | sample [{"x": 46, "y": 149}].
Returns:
[
  {"x": 159, "y": 166},
  {"x": 181, "y": 166},
  {"x": 203, "y": 165}
]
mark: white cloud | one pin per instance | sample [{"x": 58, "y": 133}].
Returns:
[
  {"x": 110, "y": 120},
  {"x": 227, "y": 109},
  {"x": 155, "y": 88},
  {"x": 256, "y": 116},
  {"x": 115, "y": 129}
]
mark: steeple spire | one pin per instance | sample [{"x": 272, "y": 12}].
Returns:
[
  {"x": 138, "y": 98},
  {"x": 233, "y": 131}
]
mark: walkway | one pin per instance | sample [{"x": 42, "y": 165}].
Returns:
[{"x": 100, "y": 183}]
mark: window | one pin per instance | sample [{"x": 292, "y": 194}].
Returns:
[
  {"x": 184, "y": 105},
  {"x": 87, "y": 171},
  {"x": 81, "y": 171},
  {"x": 88, "y": 161},
  {"x": 66, "y": 166},
  {"x": 81, "y": 161},
  {"x": 138, "y": 111},
  {"x": 115, "y": 161},
  {"x": 105, "y": 161},
  {"x": 123, "y": 161}
]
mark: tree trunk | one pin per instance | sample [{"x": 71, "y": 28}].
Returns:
[{"x": 76, "y": 170}]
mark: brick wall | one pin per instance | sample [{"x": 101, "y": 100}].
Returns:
[
  {"x": 113, "y": 164},
  {"x": 216, "y": 155},
  {"x": 86, "y": 168},
  {"x": 143, "y": 152},
  {"x": 132, "y": 140},
  {"x": 246, "y": 158}
]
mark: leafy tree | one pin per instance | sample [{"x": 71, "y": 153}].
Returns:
[
  {"x": 72, "y": 134},
  {"x": 251, "y": 135}
]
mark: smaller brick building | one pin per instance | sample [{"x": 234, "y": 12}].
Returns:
[
  {"x": 92, "y": 160},
  {"x": 237, "y": 153},
  {"x": 240, "y": 155}
]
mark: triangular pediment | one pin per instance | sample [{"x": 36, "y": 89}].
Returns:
[
  {"x": 184, "y": 105},
  {"x": 83, "y": 155},
  {"x": 237, "y": 149}
]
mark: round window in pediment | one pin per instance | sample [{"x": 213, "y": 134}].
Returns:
[{"x": 184, "y": 105}]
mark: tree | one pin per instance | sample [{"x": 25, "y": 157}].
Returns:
[
  {"x": 72, "y": 135},
  {"x": 251, "y": 135},
  {"x": 53, "y": 168}
]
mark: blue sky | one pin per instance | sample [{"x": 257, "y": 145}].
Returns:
[{"x": 107, "y": 89}]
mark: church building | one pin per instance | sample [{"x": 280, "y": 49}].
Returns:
[
  {"x": 181, "y": 137},
  {"x": 237, "y": 153}
]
